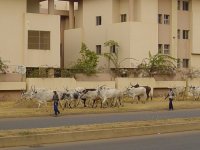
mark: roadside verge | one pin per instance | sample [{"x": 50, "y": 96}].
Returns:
[{"x": 35, "y": 137}]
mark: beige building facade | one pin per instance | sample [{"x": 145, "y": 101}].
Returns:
[
  {"x": 139, "y": 26},
  {"x": 49, "y": 33},
  {"x": 28, "y": 37}
]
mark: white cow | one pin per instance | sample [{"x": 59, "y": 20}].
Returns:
[
  {"x": 90, "y": 95},
  {"x": 133, "y": 92},
  {"x": 26, "y": 95},
  {"x": 195, "y": 91},
  {"x": 179, "y": 92},
  {"x": 42, "y": 96},
  {"x": 73, "y": 96},
  {"x": 115, "y": 95}
]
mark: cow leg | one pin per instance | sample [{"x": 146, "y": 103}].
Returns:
[
  {"x": 46, "y": 103},
  {"x": 39, "y": 105},
  {"x": 84, "y": 102},
  {"x": 147, "y": 96},
  {"x": 133, "y": 97},
  {"x": 103, "y": 101},
  {"x": 66, "y": 105},
  {"x": 117, "y": 103},
  {"x": 94, "y": 101},
  {"x": 138, "y": 98},
  {"x": 70, "y": 102},
  {"x": 121, "y": 101}
]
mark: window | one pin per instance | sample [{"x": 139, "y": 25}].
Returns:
[
  {"x": 179, "y": 5},
  {"x": 160, "y": 48},
  {"x": 98, "y": 49},
  {"x": 32, "y": 72},
  {"x": 185, "y": 63},
  {"x": 39, "y": 40},
  {"x": 178, "y": 63},
  {"x": 123, "y": 17},
  {"x": 98, "y": 20},
  {"x": 160, "y": 18},
  {"x": 178, "y": 33},
  {"x": 185, "y": 34},
  {"x": 166, "y": 19},
  {"x": 113, "y": 49},
  {"x": 185, "y": 5},
  {"x": 166, "y": 49}
]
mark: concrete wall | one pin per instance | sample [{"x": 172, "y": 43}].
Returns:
[
  {"x": 143, "y": 39},
  {"x": 195, "y": 26},
  {"x": 164, "y": 30},
  {"x": 11, "y": 77},
  {"x": 120, "y": 32},
  {"x": 194, "y": 82},
  {"x": 10, "y": 95},
  {"x": 124, "y": 8},
  {"x": 72, "y": 44},
  {"x": 79, "y": 15},
  {"x": 195, "y": 61},
  {"x": 183, "y": 23},
  {"x": 4, "y": 86},
  {"x": 115, "y": 11},
  {"x": 8, "y": 89},
  {"x": 120, "y": 83},
  {"x": 131, "y": 36},
  {"x": 174, "y": 29},
  {"x": 195, "y": 34},
  {"x": 12, "y": 30},
  {"x": 43, "y": 22},
  {"x": 51, "y": 83}
]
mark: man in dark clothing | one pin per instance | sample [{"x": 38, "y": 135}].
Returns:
[
  {"x": 55, "y": 103},
  {"x": 171, "y": 98}
]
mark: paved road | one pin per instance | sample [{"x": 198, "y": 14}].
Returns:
[
  {"x": 175, "y": 141},
  {"x": 43, "y": 122}
]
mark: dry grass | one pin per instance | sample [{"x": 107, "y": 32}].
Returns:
[
  {"x": 29, "y": 108},
  {"x": 25, "y": 132}
]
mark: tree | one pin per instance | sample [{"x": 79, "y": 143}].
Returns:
[
  {"x": 159, "y": 64},
  {"x": 88, "y": 61},
  {"x": 3, "y": 66}
]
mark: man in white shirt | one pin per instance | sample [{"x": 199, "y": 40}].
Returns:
[{"x": 171, "y": 98}]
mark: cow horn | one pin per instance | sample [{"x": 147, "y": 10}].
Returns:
[
  {"x": 31, "y": 88},
  {"x": 34, "y": 89},
  {"x": 66, "y": 88},
  {"x": 102, "y": 86}
]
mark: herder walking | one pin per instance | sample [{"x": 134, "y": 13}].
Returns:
[
  {"x": 55, "y": 103},
  {"x": 171, "y": 98}
]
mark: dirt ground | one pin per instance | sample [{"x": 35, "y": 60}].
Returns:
[{"x": 23, "y": 108}]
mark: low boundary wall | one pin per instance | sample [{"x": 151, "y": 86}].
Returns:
[{"x": 70, "y": 83}]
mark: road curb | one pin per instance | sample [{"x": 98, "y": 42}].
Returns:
[{"x": 35, "y": 140}]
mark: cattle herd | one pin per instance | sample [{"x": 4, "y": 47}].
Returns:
[{"x": 103, "y": 95}]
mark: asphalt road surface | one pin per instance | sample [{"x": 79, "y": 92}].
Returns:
[
  {"x": 175, "y": 141},
  {"x": 44, "y": 122}
]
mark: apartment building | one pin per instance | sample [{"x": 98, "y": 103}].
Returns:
[
  {"x": 49, "y": 33},
  {"x": 160, "y": 26},
  {"x": 29, "y": 37}
]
